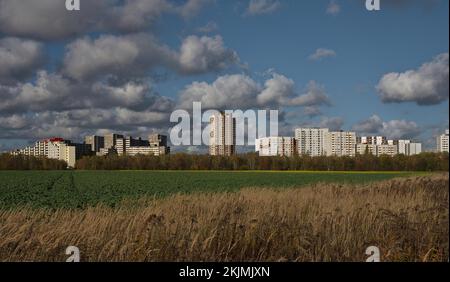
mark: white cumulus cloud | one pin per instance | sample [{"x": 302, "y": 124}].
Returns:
[{"x": 427, "y": 85}]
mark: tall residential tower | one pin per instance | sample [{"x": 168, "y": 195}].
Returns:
[
  {"x": 222, "y": 138},
  {"x": 442, "y": 142},
  {"x": 311, "y": 141}
]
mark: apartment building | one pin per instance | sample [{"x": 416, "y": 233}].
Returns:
[
  {"x": 311, "y": 141},
  {"x": 372, "y": 140},
  {"x": 156, "y": 145},
  {"x": 64, "y": 151},
  {"x": 386, "y": 149},
  {"x": 341, "y": 143},
  {"x": 222, "y": 138},
  {"x": 442, "y": 142},
  {"x": 276, "y": 146},
  {"x": 408, "y": 148},
  {"x": 40, "y": 149},
  {"x": 56, "y": 148},
  {"x": 148, "y": 150},
  {"x": 96, "y": 142},
  {"x": 157, "y": 140},
  {"x": 362, "y": 148},
  {"x": 124, "y": 143},
  {"x": 110, "y": 140}
]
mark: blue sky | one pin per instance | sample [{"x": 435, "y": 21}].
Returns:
[{"x": 276, "y": 37}]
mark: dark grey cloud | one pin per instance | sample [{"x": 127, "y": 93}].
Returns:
[
  {"x": 49, "y": 19},
  {"x": 313, "y": 95},
  {"x": 74, "y": 124},
  {"x": 19, "y": 59},
  {"x": 393, "y": 129},
  {"x": 427, "y": 85},
  {"x": 312, "y": 111},
  {"x": 135, "y": 55},
  {"x": 333, "y": 123},
  {"x": 122, "y": 56},
  {"x": 54, "y": 92},
  {"x": 372, "y": 125}
]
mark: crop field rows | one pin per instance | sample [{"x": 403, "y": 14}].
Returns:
[{"x": 80, "y": 189}]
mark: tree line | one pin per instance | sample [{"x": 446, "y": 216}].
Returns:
[
  {"x": 251, "y": 161},
  {"x": 10, "y": 162}
]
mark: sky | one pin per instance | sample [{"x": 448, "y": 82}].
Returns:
[{"x": 125, "y": 66}]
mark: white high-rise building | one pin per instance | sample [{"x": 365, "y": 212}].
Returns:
[
  {"x": 402, "y": 146},
  {"x": 409, "y": 148},
  {"x": 222, "y": 138},
  {"x": 442, "y": 142},
  {"x": 373, "y": 140},
  {"x": 341, "y": 143},
  {"x": 276, "y": 146},
  {"x": 414, "y": 149},
  {"x": 311, "y": 141},
  {"x": 61, "y": 150},
  {"x": 55, "y": 148}
]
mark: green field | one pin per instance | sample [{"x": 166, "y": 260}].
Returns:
[{"x": 79, "y": 189}]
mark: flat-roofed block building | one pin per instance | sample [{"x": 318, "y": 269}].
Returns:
[
  {"x": 222, "y": 137},
  {"x": 110, "y": 140},
  {"x": 372, "y": 140},
  {"x": 58, "y": 149},
  {"x": 157, "y": 140},
  {"x": 148, "y": 150},
  {"x": 39, "y": 149},
  {"x": 442, "y": 142},
  {"x": 362, "y": 149},
  {"x": 311, "y": 141},
  {"x": 341, "y": 143},
  {"x": 96, "y": 142},
  {"x": 157, "y": 146},
  {"x": 389, "y": 150},
  {"x": 409, "y": 148},
  {"x": 276, "y": 146}
]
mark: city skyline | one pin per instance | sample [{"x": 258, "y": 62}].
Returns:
[
  {"x": 313, "y": 142},
  {"x": 322, "y": 63}
]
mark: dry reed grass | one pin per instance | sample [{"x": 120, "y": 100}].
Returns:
[{"x": 406, "y": 218}]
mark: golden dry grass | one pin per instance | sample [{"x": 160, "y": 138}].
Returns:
[{"x": 406, "y": 218}]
